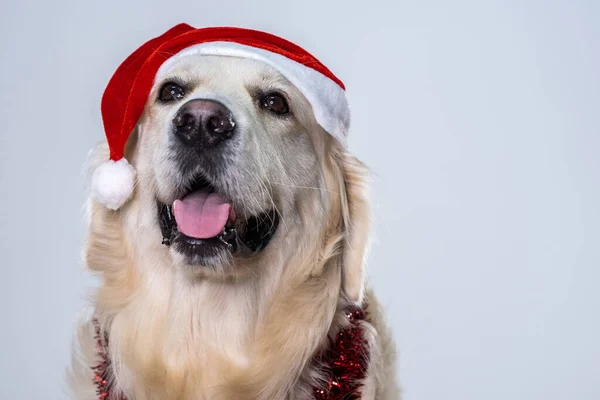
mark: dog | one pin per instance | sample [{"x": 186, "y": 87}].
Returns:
[{"x": 238, "y": 262}]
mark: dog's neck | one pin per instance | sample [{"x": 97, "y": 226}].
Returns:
[{"x": 341, "y": 363}]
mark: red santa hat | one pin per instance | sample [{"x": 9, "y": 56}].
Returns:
[{"x": 127, "y": 92}]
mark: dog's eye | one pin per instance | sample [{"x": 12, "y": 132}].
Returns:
[
  {"x": 276, "y": 103},
  {"x": 171, "y": 91}
]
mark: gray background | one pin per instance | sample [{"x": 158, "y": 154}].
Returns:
[{"x": 479, "y": 119}]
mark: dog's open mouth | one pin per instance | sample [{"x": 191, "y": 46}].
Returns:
[{"x": 202, "y": 223}]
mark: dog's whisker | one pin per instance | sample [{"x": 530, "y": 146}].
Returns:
[{"x": 305, "y": 187}]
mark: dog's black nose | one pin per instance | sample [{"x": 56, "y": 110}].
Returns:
[{"x": 203, "y": 123}]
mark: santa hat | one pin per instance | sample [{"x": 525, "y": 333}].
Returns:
[{"x": 125, "y": 96}]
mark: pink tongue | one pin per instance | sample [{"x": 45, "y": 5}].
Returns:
[{"x": 201, "y": 215}]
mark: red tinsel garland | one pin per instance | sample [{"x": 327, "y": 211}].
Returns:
[
  {"x": 344, "y": 363},
  {"x": 102, "y": 371}
]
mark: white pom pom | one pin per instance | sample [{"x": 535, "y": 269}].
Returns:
[{"x": 112, "y": 183}]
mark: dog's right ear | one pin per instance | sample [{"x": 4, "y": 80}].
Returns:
[{"x": 356, "y": 224}]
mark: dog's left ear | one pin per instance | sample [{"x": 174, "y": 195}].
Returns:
[{"x": 356, "y": 219}]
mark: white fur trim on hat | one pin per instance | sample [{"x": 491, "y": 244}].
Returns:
[
  {"x": 112, "y": 183},
  {"x": 326, "y": 97}
]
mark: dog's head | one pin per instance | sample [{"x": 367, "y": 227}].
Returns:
[
  {"x": 223, "y": 140},
  {"x": 234, "y": 175}
]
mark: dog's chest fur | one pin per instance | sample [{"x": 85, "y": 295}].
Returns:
[
  {"x": 199, "y": 345},
  {"x": 341, "y": 364}
]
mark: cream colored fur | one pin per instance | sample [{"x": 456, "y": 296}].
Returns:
[{"x": 248, "y": 328}]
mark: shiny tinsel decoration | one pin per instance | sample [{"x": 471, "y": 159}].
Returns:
[
  {"x": 344, "y": 363},
  {"x": 102, "y": 371}
]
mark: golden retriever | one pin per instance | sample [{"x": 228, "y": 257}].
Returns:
[{"x": 246, "y": 313}]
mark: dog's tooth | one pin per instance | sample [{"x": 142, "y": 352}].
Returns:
[{"x": 220, "y": 237}]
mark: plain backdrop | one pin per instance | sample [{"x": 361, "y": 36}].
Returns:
[{"x": 480, "y": 121}]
